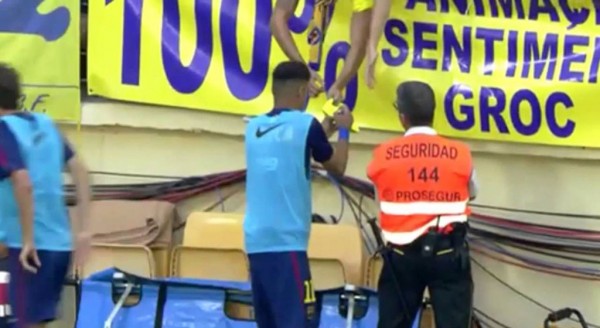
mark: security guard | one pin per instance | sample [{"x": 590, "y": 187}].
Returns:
[{"x": 423, "y": 184}]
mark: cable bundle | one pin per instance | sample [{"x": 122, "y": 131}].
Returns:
[
  {"x": 176, "y": 190},
  {"x": 565, "y": 252}
]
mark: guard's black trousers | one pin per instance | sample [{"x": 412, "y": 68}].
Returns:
[{"x": 446, "y": 273}]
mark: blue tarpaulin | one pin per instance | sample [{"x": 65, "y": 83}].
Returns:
[{"x": 192, "y": 303}]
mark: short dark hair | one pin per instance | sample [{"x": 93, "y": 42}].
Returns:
[
  {"x": 416, "y": 100},
  {"x": 289, "y": 71},
  {"x": 10, "y": 87}
]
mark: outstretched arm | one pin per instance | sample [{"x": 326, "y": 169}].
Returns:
[
  {"x": 359, "y": 36},
  {"x": 79, "y": 174},
  {"x": 333, "y": 158},
  {"x": 381, "y": 13},
  {"x": 473, "y": 186},
  {"x": 284, "y": 9}
]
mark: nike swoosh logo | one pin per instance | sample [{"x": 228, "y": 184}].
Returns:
[{"x": 260, "y": 133}]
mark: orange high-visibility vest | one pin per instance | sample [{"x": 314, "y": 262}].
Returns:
[{"x": 418, "y": 178}]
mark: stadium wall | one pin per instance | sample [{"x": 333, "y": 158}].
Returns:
[{"x": 132, "y": 138}]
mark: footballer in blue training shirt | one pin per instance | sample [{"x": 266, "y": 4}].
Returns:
[
  {"x": 34, "y": 221},
  {"x": 279, "y": 147}
]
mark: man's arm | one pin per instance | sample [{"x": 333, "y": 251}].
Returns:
[
  {"x": 328, "y": 125},
  {"x": 79, "y": 174},
  {"x": 381, "y": 13},
  {"x": 284, "y": 9},
  {"x": 473, "y": 186},
  {"x": 333, "y": 158},
  {"x": 12, "y": 166},
  {"x": 359, "y": 35}
]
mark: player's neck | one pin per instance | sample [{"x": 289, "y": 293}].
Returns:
[
  {"x": 8, "y": 111},
  {"x": 286, "y": 105}
]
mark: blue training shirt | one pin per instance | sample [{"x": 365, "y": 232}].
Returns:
[
  {"x": 31, "y": 141},
  {"x": 279, "y": 147}
]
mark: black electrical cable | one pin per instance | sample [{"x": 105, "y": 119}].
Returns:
[
  {"x": 355, "y": 213},
  {"x": 358, "y": 217},
  {"x": 483, "y": 324},
  {"x": 489, "y": 318},
  {"x": 516, "y": 291},
  {"x": 342, "y": 198}
]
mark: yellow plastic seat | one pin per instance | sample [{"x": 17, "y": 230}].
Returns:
[
  {"x": 336, "y": 255},
  {"x": 213, "y": 248},
  {"x": 327, "y": 273},
  {"x": 134, "y": 259},
  {"x": 162, "y": 260},
  {"x": 373, "y": 270},
  {"x": 209, "y": 263}
]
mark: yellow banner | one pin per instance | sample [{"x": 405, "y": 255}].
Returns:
[
  {"x": 40, "y": 38},
  {"x": 517, "y": 70}
]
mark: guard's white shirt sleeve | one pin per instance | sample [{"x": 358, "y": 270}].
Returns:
[{"x": 473, "y": 185}]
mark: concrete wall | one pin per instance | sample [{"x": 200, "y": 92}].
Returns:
[{"x": 129, "y": 138}]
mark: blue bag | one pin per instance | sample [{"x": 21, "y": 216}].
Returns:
[
  {"x": 99, "y": 296},
  {"x": 203, "y": 304},
  {"x": 176, "y": 303}
]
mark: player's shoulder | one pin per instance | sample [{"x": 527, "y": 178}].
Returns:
[{"x": 4, "y": 129}]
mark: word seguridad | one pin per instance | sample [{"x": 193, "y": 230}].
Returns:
[{"x": 421, "y": 150}]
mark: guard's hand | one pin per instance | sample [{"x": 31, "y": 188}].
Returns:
[
  {"x": 83, "y": 245},
  {"x": 315, "y": 87},
  {"x": 343, "y": 117},
  {"x": 29, "y": 258},
  {"x": 371, "y": 63}
]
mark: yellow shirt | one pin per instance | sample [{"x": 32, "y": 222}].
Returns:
[{"x": 362, "y": 5}]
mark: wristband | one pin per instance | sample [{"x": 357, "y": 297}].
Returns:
[{"x": 343, "y": 134}]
